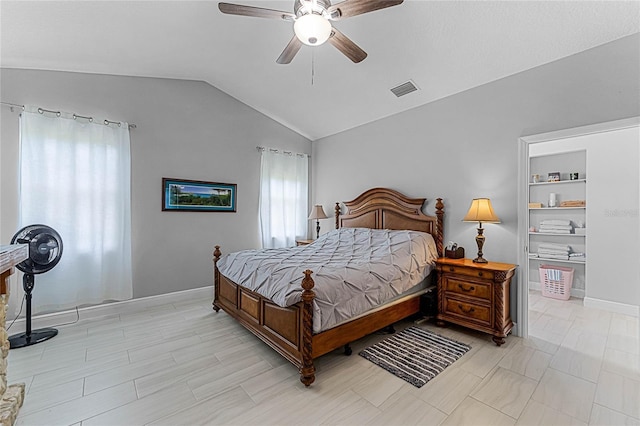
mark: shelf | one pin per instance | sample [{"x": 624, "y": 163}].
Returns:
[
  {"x": 557, "y": 208},
  {"x": 557, "y": 182},
  {"x": 557, "y": 235},
  {"x": 544, "y": 259},
  {"x": 567, "y": 163}
]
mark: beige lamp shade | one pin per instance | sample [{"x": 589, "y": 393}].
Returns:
[
  {"x": 317, "y": 212},
  {"x": 481, "y": 211}
]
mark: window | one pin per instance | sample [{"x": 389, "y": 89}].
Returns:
[
  {"x": 284, "y": 187},
  {"x": 75, "y": 177}
]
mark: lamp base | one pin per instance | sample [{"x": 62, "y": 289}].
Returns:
[{"x": 480, "y": 242}]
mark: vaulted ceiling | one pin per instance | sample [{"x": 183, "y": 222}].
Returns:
[{"x": 444, "y": 47}]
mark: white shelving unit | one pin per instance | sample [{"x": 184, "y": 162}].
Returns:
[{"x": 565, "y": 190}]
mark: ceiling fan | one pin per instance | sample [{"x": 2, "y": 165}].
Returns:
[{"x": 312, "y": 23}]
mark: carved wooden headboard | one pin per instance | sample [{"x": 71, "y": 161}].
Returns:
[{"x": 383, "y": 208}]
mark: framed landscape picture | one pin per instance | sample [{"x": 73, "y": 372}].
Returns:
[{"x": 198, "y": 196}]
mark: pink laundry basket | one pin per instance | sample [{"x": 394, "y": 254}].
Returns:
[{"x": 556, "y": 281}]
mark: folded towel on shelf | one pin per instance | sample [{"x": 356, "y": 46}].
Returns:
[
  {"x": 554, "y": 228},
  {"x": 569, "y": 227},
  {"x": 549, "y": 251},
  {"x": 555, "y": 246},
  {"x": 577, "y": 255},
  {"x": 565, "y": 222},
  {"x": 564, "y": 256},
  {"x": 554, "y": 251},
  {"x": 554, "y": 231}
]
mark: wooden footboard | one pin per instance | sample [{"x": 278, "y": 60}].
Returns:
[
  {"x": 290, "y": 330},
  {"x": 287, "y": 330}
]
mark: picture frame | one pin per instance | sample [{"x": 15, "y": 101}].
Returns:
[
  {"x": 553, "y": 177},
  {"x": 198, "y": 196}
]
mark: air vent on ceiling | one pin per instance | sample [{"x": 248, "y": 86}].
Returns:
[{"x": 404, "y": 88}]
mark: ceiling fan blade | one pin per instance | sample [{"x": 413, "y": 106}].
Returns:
[
  {"x": 346, "y": 46},
  {"x": 349, "y": 8},
  {"x": 258, "y": 12},
  {"x": 290, "y": 51}
]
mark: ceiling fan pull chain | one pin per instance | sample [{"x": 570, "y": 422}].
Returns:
[{"x": 313, "y": 65}]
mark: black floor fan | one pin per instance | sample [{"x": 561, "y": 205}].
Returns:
[{"x": 45, "y": 250}]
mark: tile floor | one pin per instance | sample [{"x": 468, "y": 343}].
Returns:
[{"x": 182, "y": 364}]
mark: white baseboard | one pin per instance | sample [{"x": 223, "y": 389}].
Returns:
[
  {"x": 109, "y": 309},
  {"x": 606, "y": 305},
  {"x": 575, "y": 292},
  {"x": 516, "y": 330},
  {"x": 590, "y": 302}
]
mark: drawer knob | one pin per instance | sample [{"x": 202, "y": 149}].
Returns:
[
  {"x": 466, "y": 311},
  {"x": 451, "y": 269},
  {"x": 463, "y": 288},
  {"x": 480, "y": 273}
]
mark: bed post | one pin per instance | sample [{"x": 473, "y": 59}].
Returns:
[
  {"x": 440, "y": 226},
  {"x": 337, "y": 210},
  {"x": 216, "y": 277},
  {"x": 307, "y": 371}
]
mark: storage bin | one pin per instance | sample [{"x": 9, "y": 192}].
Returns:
[{"x": 556, "y": 281}]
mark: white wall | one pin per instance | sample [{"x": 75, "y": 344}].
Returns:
[
  {"x": 465, "y": 146},
  {"x": 185, "y": 129},
  {"x": 613, "y": 211}
]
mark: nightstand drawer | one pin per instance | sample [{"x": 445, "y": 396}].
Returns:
[
  {"x": 471, "y": 272},
  {"x": 469, "y": 311},
  {"x": 469, "y": 288}
]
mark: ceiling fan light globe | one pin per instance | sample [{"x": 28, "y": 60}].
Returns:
[{"x": 312, "y": 29}]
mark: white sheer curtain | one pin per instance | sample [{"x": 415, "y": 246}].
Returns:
[
  {"x": 75, "y": 177},
  {"x": 284, "y": 188}
]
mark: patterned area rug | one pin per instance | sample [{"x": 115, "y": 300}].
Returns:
[{"x": 415, "y": 355}]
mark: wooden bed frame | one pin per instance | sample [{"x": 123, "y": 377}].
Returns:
[{"x": 290, "y": 330}]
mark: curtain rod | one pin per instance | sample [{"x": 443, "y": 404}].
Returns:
[
  {"x": 264, "y": 148},
  {"x": 74, "y": 115}
]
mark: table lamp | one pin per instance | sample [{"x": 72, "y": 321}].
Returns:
[
  {"x": 481, "y": 211},
  {"x": 317, "y": 213}
]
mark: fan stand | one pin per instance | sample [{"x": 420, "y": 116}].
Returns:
[{"x": 29, "y": 337}]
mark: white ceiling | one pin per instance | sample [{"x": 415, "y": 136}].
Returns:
[{"x": 445, "y": 47}]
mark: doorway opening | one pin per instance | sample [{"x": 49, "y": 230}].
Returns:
[{"x": 590, "y": 152}]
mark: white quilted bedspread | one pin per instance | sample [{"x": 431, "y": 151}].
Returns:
[{"x": 354, "y": 270}]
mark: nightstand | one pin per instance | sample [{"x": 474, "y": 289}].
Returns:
[
  {"x": 303, "y": 242},
  {"x": 475, "y": 295}
]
